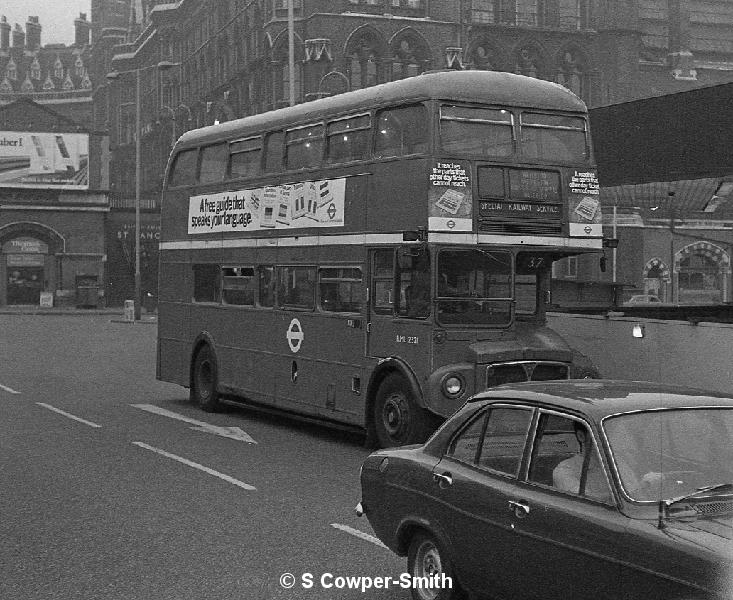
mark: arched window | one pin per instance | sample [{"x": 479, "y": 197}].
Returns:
[
  {"x": 410, "y": 55},
  {"x": 529, "y": 62},
  {"x": 364, "y": 55},
  {"x": 702, "y": 271},
  {"x": 483, "y": 56},
  {"x": 574, "y": 74}
]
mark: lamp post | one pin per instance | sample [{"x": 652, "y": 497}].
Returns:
[{"x": 112, "y": 76}]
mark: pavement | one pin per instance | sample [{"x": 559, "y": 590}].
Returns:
[{"x": 116, "y": 313}]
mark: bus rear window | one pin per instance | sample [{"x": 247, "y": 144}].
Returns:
[
  {"x": 183, "y": 171},
  {"x": 304, "y": 147},
  {"x": 214, "y": 163},
  {"x": 557, "y": 138},
  {"x": 401, "y": 131},
  {"x": 206, "y": 283},
  {"x": 476, "y": 131}
]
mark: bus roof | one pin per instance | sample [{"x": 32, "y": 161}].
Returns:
[{"x": 493, "y": 87}]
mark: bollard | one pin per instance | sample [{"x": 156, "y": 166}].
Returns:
[{"x": 129, "y": 310}]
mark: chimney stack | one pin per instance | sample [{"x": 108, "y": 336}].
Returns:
[
  {"x": 18, "y": 37},
  {"x": 4, "y": 34},
  {"x": 82, "y": 28},
  {"x": 32, "y": 34}
]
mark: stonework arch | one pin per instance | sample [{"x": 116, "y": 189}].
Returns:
[
  {"x": 364, "y": 55},
  {"x": 410, "y": 53},
  {"x": 55, "y": 241},
  {"x": 531, "y": 59}
]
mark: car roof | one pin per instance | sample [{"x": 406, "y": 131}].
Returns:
[{"x": 599, "y": 398}]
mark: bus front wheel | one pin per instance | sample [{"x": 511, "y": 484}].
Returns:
[
  {"x": 398, "y": 420},
  {"x": 204, "y": 381}
]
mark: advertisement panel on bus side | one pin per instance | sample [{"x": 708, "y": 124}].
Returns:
[{"x": 292, "y": 206}]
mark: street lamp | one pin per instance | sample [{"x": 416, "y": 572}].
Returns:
[{"x": 112, "y": 76}]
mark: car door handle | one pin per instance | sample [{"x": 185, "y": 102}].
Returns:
[
  {"x": 443, "y": 479},
  {"x": 520, "y": 509}
]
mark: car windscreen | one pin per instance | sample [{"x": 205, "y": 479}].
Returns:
[
  {"x": 474, "y": 287},
  {"x": 665, "y": 454}
]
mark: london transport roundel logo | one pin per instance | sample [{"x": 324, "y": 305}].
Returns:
[{"x": 295, "y": 335}]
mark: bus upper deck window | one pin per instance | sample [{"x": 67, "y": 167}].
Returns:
[
  {"x": 183, "y": 171},
  {"x": 476, "y": 131},
  {"x": 348, "y": 139},
  {"x": 401, "y": 131},
  {"x": 213, "y": 167},
  {"x": 558, "y": 138},
  {"x": 274, "y": 147},
  {"x": 245, "y": 158},
  {"x": 304, "y": 147}
]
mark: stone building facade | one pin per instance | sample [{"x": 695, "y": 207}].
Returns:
[{"x": 226, "y": 59}]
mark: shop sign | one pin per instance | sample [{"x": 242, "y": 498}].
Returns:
[
  {"x": 25, "y": 260},
  {"x": 25, "y": 245}
]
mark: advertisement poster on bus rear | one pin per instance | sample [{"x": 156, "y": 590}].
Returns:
[
  {"x": 450, "y": 202},
  {"x": 292, "y": 206},
  {"x": 584, "y": 206}
]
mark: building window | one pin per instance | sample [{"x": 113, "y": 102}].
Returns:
[{"x": 364, "y": 61}]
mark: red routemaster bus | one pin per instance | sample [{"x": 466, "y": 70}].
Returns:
[{"x": 375, "y": 258}]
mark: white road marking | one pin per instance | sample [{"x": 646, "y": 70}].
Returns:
[
  {"x": 234, "y": 433},
  {"x": 195, "y": 465},
  {"x": 69, "y": 415},
  {"x": 359, "y": 534},
  {"x": 7, "y": 389}
]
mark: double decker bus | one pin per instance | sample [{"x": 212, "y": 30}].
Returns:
[{"x": 377, "y": 257}]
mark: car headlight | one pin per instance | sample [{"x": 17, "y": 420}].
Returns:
[{"x": 453, "y": 385}]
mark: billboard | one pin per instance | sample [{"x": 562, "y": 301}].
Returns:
[{"x": 44, "y": 160}]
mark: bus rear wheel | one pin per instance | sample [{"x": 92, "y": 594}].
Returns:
[
  {"x": 204, "y": 382},
  {"x": 398, "y": 420}
]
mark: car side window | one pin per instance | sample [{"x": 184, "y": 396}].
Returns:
[
  {"x": 465, "y": 446},
  {"x": 504, "y": 439},
  {"x": 566, "y": 458}
]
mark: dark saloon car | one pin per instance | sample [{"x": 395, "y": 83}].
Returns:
[{"x": 585, "y": 489}]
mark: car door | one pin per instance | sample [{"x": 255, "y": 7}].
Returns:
[
  {"x": 475, "y": 481},
  {"x": 572, "y": 538}
]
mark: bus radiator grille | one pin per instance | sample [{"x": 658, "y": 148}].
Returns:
[{"x": 516, "y": 372}]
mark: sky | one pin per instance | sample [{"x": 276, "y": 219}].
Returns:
[{"x": 55, "y": 16}]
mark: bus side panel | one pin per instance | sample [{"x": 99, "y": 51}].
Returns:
[
  {"x": 244, "y": 336},
  {"x": 174, "y": 314},
  {"x": 399, "y": 195}
]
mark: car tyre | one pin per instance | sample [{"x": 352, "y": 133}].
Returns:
[
  {"x": 398, "y": 420},
  {"x": 204, "y": 380},
  {"x": 425, "y": 558}
]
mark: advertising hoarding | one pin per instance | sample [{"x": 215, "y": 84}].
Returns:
[{"x": 44, "y": 160}]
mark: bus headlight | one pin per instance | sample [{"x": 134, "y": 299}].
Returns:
[{"x": 453, "y": 385}]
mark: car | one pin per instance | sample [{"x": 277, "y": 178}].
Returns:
[
  {"x": 643, "y": 299},
  {"x": 567, "y": 490}
]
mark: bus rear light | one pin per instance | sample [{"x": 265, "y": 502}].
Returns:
[{"x": 356, "y": 384}]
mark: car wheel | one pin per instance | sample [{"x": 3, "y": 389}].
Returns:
[
  {"x": 426, "y": 562},
  {"x": 398, "y": 420},
  {"x": 204, "y": 380}
]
